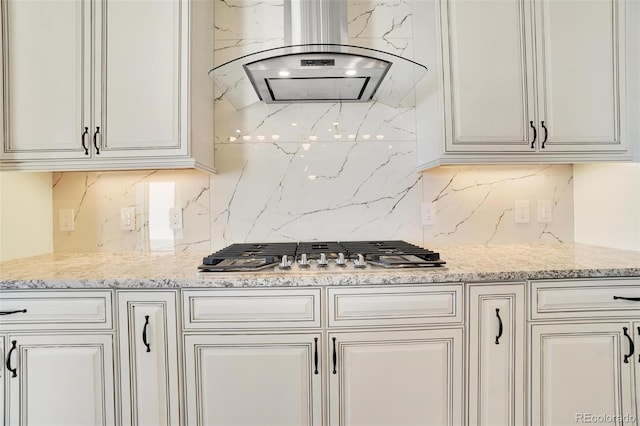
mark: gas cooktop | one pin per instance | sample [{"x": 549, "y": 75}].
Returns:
[{"x": 320, "y": 256}]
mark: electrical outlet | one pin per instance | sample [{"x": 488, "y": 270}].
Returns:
[
  {"x": 428, "y": 211},
  {"x": 128, "y": 219},
  {"x": 67, "y": 222},
  {"x": 544, "y": 211},
  {"x": 175, "y": 218},
  {"x": 522, "y": 211}
]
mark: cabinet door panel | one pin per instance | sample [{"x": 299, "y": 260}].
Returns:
[
  {"x": 252, "y": 380},
  {"x": 140, "y": 65},
  {"x": 496, "y": 355},
  {"x": 487, "y": 59},
  {"x": 397, "y": 378},
  {"x": 149, "y": 376},
  {"x": 46, "y": 62},
  {"x": 578, "y": 86},
  {"x": 578, "y": 369},
  {"x": 64, "y": 380}
]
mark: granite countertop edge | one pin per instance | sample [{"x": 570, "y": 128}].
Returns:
[
  {"x": 128, "y": 270},
  {"x": 374, "y": 278}
]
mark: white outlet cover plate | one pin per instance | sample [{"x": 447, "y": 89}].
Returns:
[
  {"x": 175, "y": 218},
  {"x": 128, "y": 218},
  {"x": 522, "y": 211},
  {"x": 428, "y": 213},
  {"x": 67, "y": 221}
]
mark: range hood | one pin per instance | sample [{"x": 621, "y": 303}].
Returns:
[{"x": 316, "y": 64}]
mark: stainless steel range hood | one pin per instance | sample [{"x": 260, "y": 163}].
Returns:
[{"x": 316, "y": 64}]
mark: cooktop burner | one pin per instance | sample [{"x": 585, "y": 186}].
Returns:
[{"x": 318, "y": 256}]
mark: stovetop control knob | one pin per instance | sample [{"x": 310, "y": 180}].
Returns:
[
  {"x": 322, "y": 262},
  {"x": 303, "y": 262},
  {"x": 340, "y": 260},
  {"x": 284, "y": 263},
  {"x": 360, "y": 262}
]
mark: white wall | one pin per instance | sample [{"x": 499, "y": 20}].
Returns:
[
  {"x": 607, "y": 205},
  {"x": 26, "y": 212}
]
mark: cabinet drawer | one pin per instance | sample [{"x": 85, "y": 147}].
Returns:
[
  {"x": 427, "y": 304},
  {"x": 585, "y": 298},
  {"x": 251, "y": 308},
  {"x": 60, "y": 310}
]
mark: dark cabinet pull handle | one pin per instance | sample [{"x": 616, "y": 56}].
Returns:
[
  {"x": 546, "y": 134},
  {"x": 144, "y": 333},
  {"x": 535, "y": 135},
  {"x": 499, "y": 326},
  {"x": 633, "y": 299},
  {"x": 315, "y": 355},
  {"x": 335, "y": 356},
  {"x": 84, "y": 145},
  {"x": 95, "y": 140},
  {"x": 639, "y": 335},
  {"x": 19, "y": 311},
  {"x": 13, "y": 371},
  {"x": 632, "y": 348}
]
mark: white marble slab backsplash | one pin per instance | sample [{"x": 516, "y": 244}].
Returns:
[
  {"x": 316, "y": 191},
  {"x": 97, "y": 198},
  {"x": 476, "y": 204}
]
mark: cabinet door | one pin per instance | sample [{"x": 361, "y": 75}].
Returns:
[
  {"x": 3, "y": 379},
  {"x": 636, "y": 360},
  {"x": 61, "y": 379},
  {"x": 141, "y": 69},
  {"x": 581, "y": 74},
  {"x": 488, "y": 69},
  {"x": 578, "y": 370},
  {"x": 496, "y": 355},
  {"x": 46, "y": 66},
  {"x": 396, "y": 378},
  {"x": 149, "y": 360},
  {"x": 253, "y": 380}
]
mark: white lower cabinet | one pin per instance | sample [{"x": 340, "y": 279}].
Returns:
[
  {"x": 149, "y": 358},
  {"x": 584, "y": 351},
  {"x": 58, "y": 361},
  {"x": 578, "y": 371},
  {"x": 396, "y": 377},
  {"x": 60, "y": 379},
  {"x": 252, "y": 380},
  {"x": 496, "y": 336}
]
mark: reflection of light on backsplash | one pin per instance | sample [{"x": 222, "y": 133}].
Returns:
[
  {"x": 312, "y": 177},
  {"x": 161, "y": 198},
  {"x": 334, "y": 134},
  {"x": 306, "y": 146},
  {"x": 294, "y": 124}
]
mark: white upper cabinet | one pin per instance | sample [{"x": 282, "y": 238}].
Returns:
[
  {"x": 539, "y": 80},
  {"x": 107, "y": 84}
]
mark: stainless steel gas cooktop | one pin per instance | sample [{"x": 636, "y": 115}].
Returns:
[{"x": 320, "y": 256}]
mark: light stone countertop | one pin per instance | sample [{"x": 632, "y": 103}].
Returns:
[{"x": 464, "y": 264}]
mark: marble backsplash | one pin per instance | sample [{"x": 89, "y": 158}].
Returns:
[{"x": 282, "y": 192}]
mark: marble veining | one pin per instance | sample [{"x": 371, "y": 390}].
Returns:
[{"x": 464, "y": 264}]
